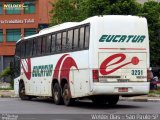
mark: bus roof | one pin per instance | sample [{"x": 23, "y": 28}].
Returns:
[
  {"x": 51, "y": 29},
  {"x": 72, "y": 24}
]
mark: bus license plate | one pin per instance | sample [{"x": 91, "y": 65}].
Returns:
[{"x": 123, "y": 89}]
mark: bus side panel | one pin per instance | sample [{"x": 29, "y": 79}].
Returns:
[{"x": 39, "y": 84}]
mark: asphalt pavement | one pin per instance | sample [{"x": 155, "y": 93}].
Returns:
[{"x": 143, "y": 98}]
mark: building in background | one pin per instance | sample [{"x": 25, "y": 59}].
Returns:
[{"x": 20, "y": 18}]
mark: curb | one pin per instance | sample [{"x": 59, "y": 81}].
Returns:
[
  {"x": 8, "y": 96},
  {"x": 136, "y": 100},
  {"x": 141, "y": 99},
  {"x": 153, "y": 100}
]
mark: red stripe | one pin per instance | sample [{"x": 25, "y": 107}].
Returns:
[
  {"x": 122, "y": 48},
  {"x": 57, "y": 68}
]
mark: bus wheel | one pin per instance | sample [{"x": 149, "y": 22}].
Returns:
[
  {"x": 68, "y": 101},
  {"x": 99, "y": 100},
  {"x": 22, "y": 93},
  {"x": 112, "y": 100},
  {"x": 57, "y": 94}
]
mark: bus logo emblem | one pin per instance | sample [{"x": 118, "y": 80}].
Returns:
[{"x": 106, "y": 63}]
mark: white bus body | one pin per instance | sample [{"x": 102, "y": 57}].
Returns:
[{"x": 115, "y": 62}]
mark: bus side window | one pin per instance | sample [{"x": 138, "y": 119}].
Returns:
[
  {"x": 48, "y": 44},
  {"x": 81, "y": 43},
  {"x": 39, "y": 45},
  {"x": 70, "y": 39},
  {"x": 87, "y": 32},
  {"x": 59, "y": 42},
  {"x": 31, "y": 47},
  {"x": 76, "y": 38},
  {"x": 43, "y": 44},
  {"x": 27, "y": 48},
  {"x": 23, "y": 49},
  {"x": 64, "y": 41},
  {"x": 53, "y": 46},
  {"x": 18, "y": 49},
  {"x": 34, "y": 47}
]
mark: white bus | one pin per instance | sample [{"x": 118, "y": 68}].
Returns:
[{"x": 100, "y": 58}]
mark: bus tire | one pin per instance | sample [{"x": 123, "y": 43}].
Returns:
[
  {"x": 68, "y": 101},
  {"x": 113, "y": 99},
  {"x": 22, "y": 93},
  {"x": 57, "y": 94}
]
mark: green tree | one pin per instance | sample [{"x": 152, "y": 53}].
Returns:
[
  {"x": 64, "y": 11},
  {"x": 78, "y": 10},
  {"x": 8, "y": 72},
  {"x": 5, "y": 72},
  {"x": 125, "y": 7},
  {"x": 94, "y": 7},
  {"x": 151, "y": 10},
  {"x": 88, "y": 8}
]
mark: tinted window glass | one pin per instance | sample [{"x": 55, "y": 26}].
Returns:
[
  {"x": 31, "y": 47},
  {"x": 29, "y": 31},
  {"x": 27, "y": 48},
  {"x": 34, "y": 47},
  {"x": 59, "y": 42},
  {"x": 1, "y": 8},
  {"x": 30, "y": 7},
  {"x": 76, "y": 36},
  {"x": 43, "y": 44},
  {"x": 81, "y": 43},
  {"x": 53, "y": 48},
  {"x": 18, "y": 49},
  {"x": 70, "y": 39},
  {"x": 87, "y": 37},
  {"x": 23, "y": 49},
  {"x": 64, "y": 41},
  {"x": 13, "y": 34},
  {"x": 48, "y": 44},
  {"x": 39, "y": 45}
]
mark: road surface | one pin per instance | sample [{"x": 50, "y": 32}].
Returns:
[{"x": 47, "y": 110}]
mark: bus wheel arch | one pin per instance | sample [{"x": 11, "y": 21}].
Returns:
[{"x": 66, "y": 93}]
